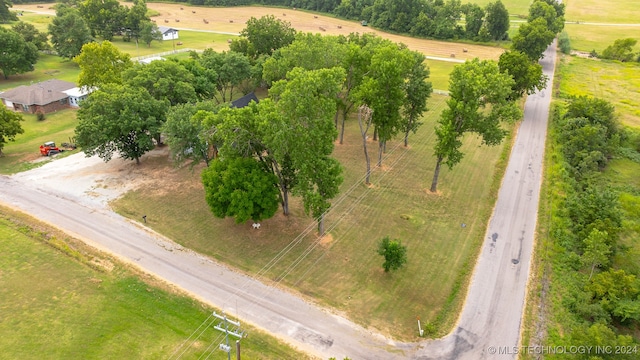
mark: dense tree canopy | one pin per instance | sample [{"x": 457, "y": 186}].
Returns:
[
  {"x": 533, "y": 38},
  {"x": 527, "y": 75},
  {"x": 69, "y": 32},
  {"x": 497, "y": 20},
  {"x": 101, "y": 63},
  {"x": 119, "y": 118},
  {"x": 6, "y": 14},
  {"x": 227, "y": 70},
  {"x": 9, "y": 126},
  {"x": 240, "y": 188},
  {"x": 31, "y": 35},
  {"x": 621, "y": 50},
  {"x": 263, "y": 36},
  {"x": 17, "y": 56},
  {"x": 149, "y": 32},
  {"x": 164, "y": 80},
  {"x": 103, "y": 17}
]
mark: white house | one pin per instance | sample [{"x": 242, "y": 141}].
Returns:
[
  {"x": 168, "y": 33},
  {"x": 77, "y": 95}
]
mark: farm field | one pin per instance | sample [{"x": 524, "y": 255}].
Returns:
[
  {"x": 442, "y": 231},
  {"x": 593, "y": 37},
  {"x": 616, "y": 82},
  {"x": 63, "y": 300},
  {"x": 603, "y": 11},
  {"x": 220, "y": 20}
]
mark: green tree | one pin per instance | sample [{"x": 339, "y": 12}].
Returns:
[
  {"x": 68, "y": 31},
  {"x": 136, "y": 16},
  {"x": 103, "y": 17},
  {"x": 6, "y": 14},
  {"x": 101, "y": 63},
  {"x": 240, "y": 188},
  {"x": 163, "y": 80},
  {"x": 621, "y": 50},
  {"x": 383, "y": 90},
  {"x": 17, "y": 56},
  {"x": 230, "y": 69},
  {"x": 31, "y": 35},
  {"x": 541, "y": 9},
  {"x": 394, "y": 253},
  {"x": 533, "y": 38},
  {"x": 564, "y": 43},
  {"x": 264, "y": 36},
  {"x": 119, "y": 118},
  {"x": 302, "y": 132},
  {"x": 595, "y": 207},
  {"x": 497, "y": 20},
  {"x": 9, "y": 126},
  {"x": 478, "y": 102},
  {"x": 596, "y": 250},
  {"x": 617, "y": 292},
  {"x": 186, "y": 133},
  {"x": 527, "y": 75},
  {"x": 417, "y": 91},
  {"x": 473, "y": 20},
  {"x": 149, "y": 32}
]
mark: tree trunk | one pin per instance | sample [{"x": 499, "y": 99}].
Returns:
[
  {"x": 366, "y": 157},
  {"x": 406, "y": 138},
  {"x": 321, "y": 225},
  {"x": 380, "y": 149},
  {"x": 344, "y": 116},
  {"x": 137, "y": 160},
  {"x": 285, "y": 202},
  {"x": 375, "y": 133},
  {"x": 335, "y": 119},
  {"x": 434, "y": 183}
]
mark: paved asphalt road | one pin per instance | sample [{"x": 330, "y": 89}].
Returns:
[{"x": 492, "y": 312}]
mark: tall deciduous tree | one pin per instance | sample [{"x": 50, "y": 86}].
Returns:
[
  {"x": 478, "y": 102},
  {"x": 417, "y": 91},
  {"x": 383, "y": 91},
  {"x": 104, "y": 17},
  {"x": 31, "y": 35},
  {"x": 163, "y": 80},
  {"x": 264, "y": 36},
  {"x": 541, "y": 9},
  {"x": 101, "y": 63},
  {"x": 527, "y": 75},
  {"x": 149, "y": 32},
  {"x": 497, "y": 20},
  {"x": 16, "y": 55},
  {"x": 473, "y": 20},
  {"x": 118, "y": 118},
  {"x": 241, "y": 188},
  {"x": 230, "y": 69},
  {"x": 9, "y": 126},
  {"x": 69, "y": 32},
  {"x": 304, "y": 132},
  {"x": 135, "y": 18},
  {"x": 533, "y": 38},
  {"x": 596, "y": 250}
]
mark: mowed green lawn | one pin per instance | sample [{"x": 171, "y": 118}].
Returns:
[
  {"x": 616, "y": 82},
  {"x": 441, "y": 231},
  {"x": 55, "y": 306},
  {"x": 24, "y": 153}
]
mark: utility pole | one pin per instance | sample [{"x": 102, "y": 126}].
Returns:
[{"x": 224, "y": 327}]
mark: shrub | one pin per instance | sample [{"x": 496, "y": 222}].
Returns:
[
  {"x": 564, "y": 43},
  {"x": 40, "y": 115}
]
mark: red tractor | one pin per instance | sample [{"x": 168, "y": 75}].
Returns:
[{"x": 49, "y": 148}]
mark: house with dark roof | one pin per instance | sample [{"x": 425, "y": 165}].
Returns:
[
  {"x": 168, "y": 33},
  {"x": 46, "y": 96},
  {"x": 245, "y": 100}
]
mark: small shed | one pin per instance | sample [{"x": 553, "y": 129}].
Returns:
[{"x": 168, "y": 33}]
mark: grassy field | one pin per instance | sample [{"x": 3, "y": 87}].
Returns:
[
  {"x": 47, "y": 67},
  {"x": 343, "y": 270},
  {"x": 616, "y": 82},
  {"x": 21, "y": 154},
  {"x": 590, "y": 37},
  {"x": 439, "y": 75},
  {"x": 607, "y": 11},
  {"x": 516, "y": 8},
  {"x": 62, "y": 300}
]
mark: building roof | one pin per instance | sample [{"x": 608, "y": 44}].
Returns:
[
  {"x": 244, "y": 101},
  {"x": 150, "y": 59},
  {"x": 79, "y": 91},
  {"x": 164, "y": 29},
  {"x": 42, "y": 93}
]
